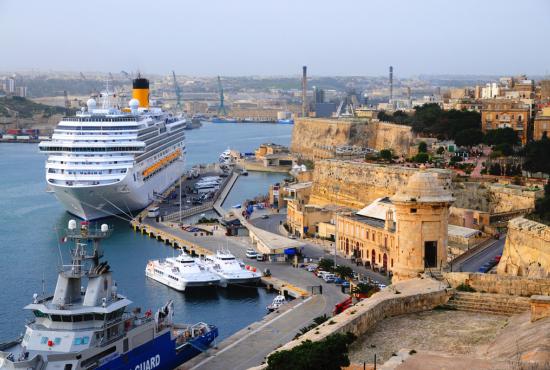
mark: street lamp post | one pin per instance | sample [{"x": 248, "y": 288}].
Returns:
[
  {"x": 180, "y": 203},
  {"x": 337, "y": 188}
]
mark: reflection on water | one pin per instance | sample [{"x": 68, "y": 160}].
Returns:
[{"x": 30, "y": 246}]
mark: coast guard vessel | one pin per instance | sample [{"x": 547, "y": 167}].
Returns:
[
  {"x": 107, "y": 160},
  {"x": 88, "y": 327}
]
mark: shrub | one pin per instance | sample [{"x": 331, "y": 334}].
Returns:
[
  {"x": 463, "y": 287},
  {"x": 330, "y": 353}
]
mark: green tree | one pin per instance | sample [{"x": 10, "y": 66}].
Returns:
[
  {"x": 537, "y": 155},
  {"x": 330, "y": 353},
  {"x": 542, "y": 207},
  {"x": 495, "y": 169},
  {"x": 422, "y": 147},
  {"x": 440, "y": 150},
  {"x": 386, "y": 154},
  {"x": 326, "y": 264},
  {"x": 344, "y": 272},
  {"x": 469, "y": 137},
  {"x": 501, "y": 136},
  {"x": 421, "y": 158}
]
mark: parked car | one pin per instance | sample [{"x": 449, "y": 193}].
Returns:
[
  {"x": 264, "y": 217},
  {"x": 311, "y": 267},
  {"x": 251, "y": 253},
  {"x": 321, "y": 274},
  {"x": 346, "y": 284},
  {"x": 329, "y": 278},
  {"x": 260, "y": 257},
  {"x": 339, "y": 281}
]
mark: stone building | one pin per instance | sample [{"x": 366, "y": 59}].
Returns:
[
  {"x": 403, "y": 234},
  {"x": 501, "y": 113},
  {"x": 541, "y": 126}
]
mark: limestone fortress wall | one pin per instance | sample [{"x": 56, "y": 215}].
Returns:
[
  {"x": 317, "y": 138},
  {"x": 355, "y": 184},
  {"x": 527, "y": 249}
]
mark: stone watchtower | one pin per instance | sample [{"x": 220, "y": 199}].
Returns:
[{"x": 422, "y": 214}]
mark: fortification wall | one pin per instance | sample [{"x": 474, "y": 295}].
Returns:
[
  {"x": 317, "y": 138},
  {"x": 356, "y": 184},
  {"x": 527, "y": 250},
  {"x": 507, "y": 198},
  {"x": 499, "y": 284},
  {"x": 405, "y": 297},
  {"x": 385, "y": 135}
]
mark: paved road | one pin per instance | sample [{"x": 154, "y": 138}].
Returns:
[
  {"x": 252, "y": 346},
  {"x": 473, "y": 263}
]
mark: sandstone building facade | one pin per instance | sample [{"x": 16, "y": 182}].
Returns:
[
  {"x": 403, "y": 234},
  {"x": 501, "y": 113}
]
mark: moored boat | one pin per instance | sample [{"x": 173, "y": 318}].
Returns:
[
  {"x": 86, "y": 324},
  {"x": 180, "y": 273}
]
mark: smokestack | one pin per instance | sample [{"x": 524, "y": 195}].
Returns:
[
  {"x": 408, "y": 93},
  {"x": 304, "y": 92},
  {"x": 391, "y": 83}
]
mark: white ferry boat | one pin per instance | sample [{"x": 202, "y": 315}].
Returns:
[
  {"x": 229, "y": 270},
  {"x": 180, "y": 273},
  {"x": 107, "y": 160}
]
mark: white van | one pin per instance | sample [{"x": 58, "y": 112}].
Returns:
[{"x": 153, "y": 212}]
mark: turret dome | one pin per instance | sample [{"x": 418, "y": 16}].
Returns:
[{"x": 424, "y": 187}]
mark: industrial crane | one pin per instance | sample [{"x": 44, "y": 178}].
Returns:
[
  {"x": 67, "y": 102},
  {"x": 177, "y": 90},
  {"x": 221, "y": 108}
]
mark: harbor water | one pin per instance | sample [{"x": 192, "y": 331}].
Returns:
[{"x": 31, "y": 249}]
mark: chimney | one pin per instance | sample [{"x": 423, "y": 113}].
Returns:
[
  {"x": 391, "y": 83},
  {"x": 305, "y": 111}
]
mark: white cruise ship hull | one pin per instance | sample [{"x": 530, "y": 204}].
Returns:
[{"x": 124, "y": 197}]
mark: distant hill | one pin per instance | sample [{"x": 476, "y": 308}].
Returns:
[{"x": 26, "y": 108}]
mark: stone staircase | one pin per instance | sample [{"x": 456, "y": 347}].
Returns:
[
  {"x": 496, "y": 304},
  {"x": 435, "y": 273}
]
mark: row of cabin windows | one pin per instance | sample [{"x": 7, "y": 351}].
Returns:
[
  {"x": 90, "y": 149},
  {"x": 84, "y": 317},
  {"x": 173, "y": 278}
]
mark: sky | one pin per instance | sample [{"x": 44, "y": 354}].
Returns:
[{"x": 265, "y": 37}]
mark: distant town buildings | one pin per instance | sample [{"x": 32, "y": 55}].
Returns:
[{"x": 10, "y": 87}]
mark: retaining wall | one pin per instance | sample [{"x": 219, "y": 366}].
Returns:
[{"x": 500, "y": 284}]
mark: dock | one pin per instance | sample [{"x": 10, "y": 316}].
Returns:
[{"x": 248, "y": 347}]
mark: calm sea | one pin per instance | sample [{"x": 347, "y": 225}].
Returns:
[{"x": 29, "y": 249}]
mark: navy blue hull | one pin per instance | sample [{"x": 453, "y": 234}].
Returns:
[{"x": 158, "y": 354}]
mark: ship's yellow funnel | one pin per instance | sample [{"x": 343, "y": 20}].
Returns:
[{"x": 140, "y": 91}]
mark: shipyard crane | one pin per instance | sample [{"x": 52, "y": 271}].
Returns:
[
  {"x": 221, "y": 108},
  {"x": 177, "y": 91},
  {"x": 67, "y": 102}
]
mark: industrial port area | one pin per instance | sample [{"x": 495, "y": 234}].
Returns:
[{"x": 268, "y": 186}]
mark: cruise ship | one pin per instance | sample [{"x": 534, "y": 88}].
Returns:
[
  {"x": 87, "y": 323},
  {"x": 108, "y": 160}
]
